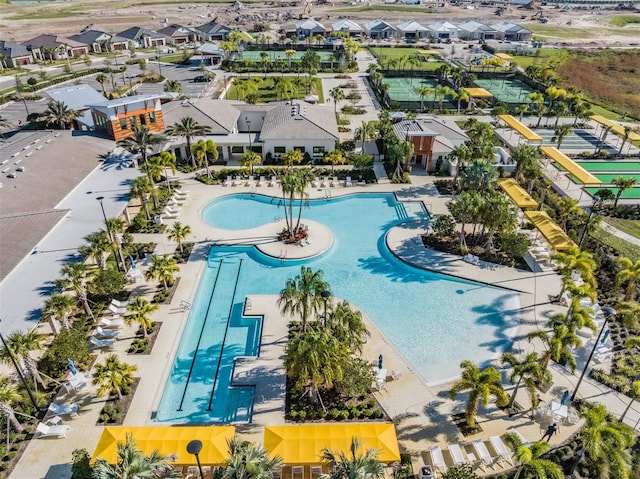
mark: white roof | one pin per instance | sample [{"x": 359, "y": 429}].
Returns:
[
  {"x": 76, "y": 97},
  {"x": 509, "y": 27},
  {"x": 442, "y": 26},
  {"x": 346, "y": 25},
  {"x": 473, "y": 26},
  {"x": 411, "y": 26},
  {"x": 309, "y": 24},
  {"x": 210, "y": 49}
]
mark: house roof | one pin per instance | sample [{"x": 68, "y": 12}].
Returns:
[
  {"x": 473, "y": 26},
  {"x": 51, "y": 41},
  {"x": 210, "y": 49},
  {"x": 378, "y": 25},
  {"x": 297, "y": 120},
  {"x": 175, "y": 30},
  {"x": 91, "y": 36},
  {"x": 127, "y": 100},
  {"x": 447, "y": 132},
  {"x": 136, "y": 33},
  {"x": 346, "y": 25},
  {"x": 509, "y": 27},
  {"x": 220, "y": 115},
  {"x": 442, "y": 26},
  {"x": 76, "y": 97},
  {"x": 309, "y": 24},
  {"x": 13, "y": 50},
  {"x": 212, "y": 28},
  {"x": 411, "y": 26}
]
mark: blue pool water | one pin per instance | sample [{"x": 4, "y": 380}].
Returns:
[{"x": 434, "y": 320}]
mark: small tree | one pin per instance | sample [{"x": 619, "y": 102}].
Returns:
[
  {"x": 444, "y": 226},
  {"x": 113, "y": 376},
  {"x": 178, "y": 233}
]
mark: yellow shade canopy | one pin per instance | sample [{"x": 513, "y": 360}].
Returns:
[
  {"x": 478, "y": 92},
  {"x": 169, "y": 441},
  {"x": 556, "y": 237},
  {"x": 519, "y": 195},
  {"x": 301, "y": 445},
  {"x": 504, "y": 56},
  {"x": 615, "y": 127},
  {"x": 527, "y": 133},
  {"x": 571, "y": 166},
  {"x": 428, "y": 52}
]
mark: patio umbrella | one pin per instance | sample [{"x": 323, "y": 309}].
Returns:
[
  {"x": 72, "y": 367},
  {"x": 564, "y": 397},
  {"x": 133, "y": 263},
  {"x": 605, "y": 336},
  {"x": 380, "y": 362}
]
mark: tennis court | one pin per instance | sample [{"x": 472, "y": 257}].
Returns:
[
  {"x": 629, "y": 194},
  {"x": 614, "y": 165},
  {"x": 404, "y": 89},
  {"x": 507, "y": 91},
  {"x": 275, "y": 55},
  {"x": 577, "y": 140}
]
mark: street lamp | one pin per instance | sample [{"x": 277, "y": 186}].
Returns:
[
  {"x": 158, "y": 59},
  {"x": 596, "y": 202},
  {"x": 325, "y": 296},
  {"x": 608, "y": 313},
  {"x": 194, "y": 447},
  {"x": 15, "y": 365},
  {"x": 249, "y": 130},
  {"x": 100, "y": 199}
]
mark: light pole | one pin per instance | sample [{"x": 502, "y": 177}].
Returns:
[
  {"x": 249, "y": 130},
  {"x": 158, "y": 59},
  {"x": 596, "y": 202},
  {"x": 608, "y": 313},
  {"x": 194, "y": 447},
  {"x": 325, "y": 296},
  {"x": 19, "y": 371},
  {"x": 111, "y": 238}
]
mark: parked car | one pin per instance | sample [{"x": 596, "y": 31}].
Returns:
[{"x": 202, "y": 79}]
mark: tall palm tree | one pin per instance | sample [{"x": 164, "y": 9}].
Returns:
[
  {"x": 178, "y": 233},
  {"x": 337, "y": 94},
  {"x": 58, "y": 306},
  {"x": 292, "y": 157},
  {"x": 21, "y": 345},
  {"x": 305, "y": 177},
  {"x": 622, "y": 184},
  {"x": 141, "y": 142},
  {"x": 201, "y": 150},
  {"x": 630, "y": 274},
  {"x": 249, "y": 461},
  {"x": 560, "y": 133},
  {"x": 530, "y": 461},
  {"x": 302, "y": 294},
  {"x": 528, "y": 370},
  {"x": 365, "y": 132},
  {"x": 74, "y": 278},
  {"x": 132, "y": 464},
  {"x": 250, "y": 158},
  {"x": 167, "y": 161},
  {"x": 162, "y": 268},
  {"x": 560, "y": 344},
  {"x": 441, "y": 92},
  {"x": 141, "y": 311},
  {"x": 347, "y": 326},
  {"x": 141, "y": 188},
  {"x": 572, "y": 260},
  {"x": 354, "y": 464},
  {"x": 466, "y": 209},
  {"x": 527, "y": 161},
  {"x": 58, "y": 113},
  {"x": 112, "y": 376},
  {"x": 625, "y": 137},
  {"x": 481, "y": 384},
  {"x": 461, "y": 155},
  {"x": 423, "y": 91},
  {"x": 187, "y": 128},
  {"x": 9, "y": 395},
  {"x": 102, "y": 79},
  {"x": 98, "y": 247},
  {"x": 335, "y": 157}
]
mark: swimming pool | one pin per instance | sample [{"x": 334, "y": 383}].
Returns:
[{"x": 434, "y": 320}]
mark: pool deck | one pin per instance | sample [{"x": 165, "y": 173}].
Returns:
[{"x": 420, "y": 411}]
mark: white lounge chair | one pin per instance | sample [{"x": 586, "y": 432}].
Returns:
[
  {"x": 483, "y": 454},
  {"x": 107, "y": 333},
  {"x": 52, "y": 431},
  {"x": 228, "y": 181},
  {"x": 176, "y": 201},
  {"x": 316, "y": 182},
  {"x": 122, "y": 311},
  {"x": 273, "y": 181},
  {"x": 238, "y": 181},
  {"x": 348, "y": 181},
  {"x": 169, "y": 216},
  {"x": 250, "y": 181},
  {"x": 501, "y": 450},
  {"x": 63, "y": 409},
  {"x": 437, "y": 459},
  {"x": 171, "y": 210},
  {"x": 102, "y": 343},
  {"x": 334, "y": 182},
  {"x": 183, "y": 195},
  {"x": 114, "y": 322},
  {"x": 325, "y": 182},
  {"x": 76, "y": 382},
  {"x": 261, "y": 181},
  {"x": 457, "y": 455},
  {"x": 119, "y": 304}
]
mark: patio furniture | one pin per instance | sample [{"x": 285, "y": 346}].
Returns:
[
  {"x": 51, "y": 431},
  {"x": 437, "y": 459}
]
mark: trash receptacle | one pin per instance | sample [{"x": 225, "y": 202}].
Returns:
[{"x": 425, "y": 472}]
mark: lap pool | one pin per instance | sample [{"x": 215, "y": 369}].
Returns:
[{"x": 435, "y": 321}]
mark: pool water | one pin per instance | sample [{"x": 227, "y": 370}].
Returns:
[{"x": 433, "y": 320}]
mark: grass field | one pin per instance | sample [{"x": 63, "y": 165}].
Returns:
[
  {"x": 402, "y": 55},
  {"x": 624, "y": 20},
  {"x": 45, "y": 14},
  {"x": 545, "y": 30},
  {"x": 630, "y": 227},
  {"x": 545, "y": 55},
  {"x": 623, "y": 247},
  {"x": 266, "y": 91}
]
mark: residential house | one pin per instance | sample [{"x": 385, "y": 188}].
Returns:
[
  {"x": 443, "y": 30},
  {"x": 78, "y": 98},
  {"x": 309, "y": 28},
  {"x": 511, "y": 31},
  {"x": 100, "y": 42},
  {"x": 55, "y": 47},
  {"x": 211, "y": 54},
  {"x": 143, "y": 38},
  {"x": 117, "y": 118},
  {"x": 213, "y": 31},
  {"x": 13, "y": 55},
  {"x": 473, "y": 30},
  {"x": 347, "y": 26},
  {"x": 178, "y": 35},
  {"x": 412, "y": 31},
  {"x": 380, "y": 30}
]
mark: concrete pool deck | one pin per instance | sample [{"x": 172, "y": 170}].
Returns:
[{"x": 420, "y": 412}]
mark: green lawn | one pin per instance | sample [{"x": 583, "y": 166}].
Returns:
[
  {"x": 545, "y": 55},
  {"x": 559, "y": 31},
  {"x": 623, "y": 247},
  {"x": 386, "y": 54},
  {"x": 266, "y": 91},
  {"x": 630, "y": 227},
  {"x": 624, "y": 20}
]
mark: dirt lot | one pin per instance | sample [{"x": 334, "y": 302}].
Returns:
[{"x": 575, "y": 27}]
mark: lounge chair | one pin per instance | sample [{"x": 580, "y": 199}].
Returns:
[
  {"x": 348, "y": 181},
  {"x": 52, "y": 431},
  {"x": 316, "y": 182},
  {"x": 107, "y": 333},
  {"x": 483, "y": 454},
  {"x": 228, "y": 181},
  {"x": 169, "y": 209},
  {"x": 169, "y": 216},
  {"x": 501, "y": 450},
  {"x": 437, "y": 459},
  {"x": 176, "y": 201},
  {"x": 102, "y": 343},
  {"x": 63, "y": 409},
  {"x": 76, "y": 382},
  {"x": 325, "y": 182},
  {"x": 457, "y": 455},
  {"x": 261, "y": 181},
  {"x": 250, "y": 181},
  {"x": 114, "y": 322},
  {"x": 273, "y": 181},
  {"x": 122, "y": 311},
  {"x": 237, "y": 181},
  {"x": 334, "y": 182},
  {"x": 182, "y": 195}
]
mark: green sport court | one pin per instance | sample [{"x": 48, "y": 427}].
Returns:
[
  {"x": 629, "y": 194},
  {"x": 404, "y": 89},
  {"x": 275, "y": 55},
  {"x": 507, "y": 91},
  {"x": 608, "y": 179},
  {"x": 622, "y": 166},
  {"x": 577, "y": 140}
]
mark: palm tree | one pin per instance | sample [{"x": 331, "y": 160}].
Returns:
[
  {"x": 249, "y": 461},
  {"x": 57, "y": 112},
  {"x": 132, "y": 463},
  {"x": 141, "y": 142},
  {"x": 305, "y": 177},
  {"x": 622, "y": 184},
  {"x": 529, "y": 458},
  {"x": 201, "y": 150},
  {"x": 8, "y": 396},
  {"x": 162, "y": 268},
  {"x": 173, "y": 86},
  {"x": 112, "y": 376},
  {"x": 461, "y": 95},
  {"x": 365, "y": 132},
  {"x": 560, "y": 344},
  {"x": 74, "y": 278},
  {"x": 347, "y": 326},
  {"x": 630, "y": 312},
  {"x": 574, "y": 259},
  {"x": 58, "y": 306},
  {"x": 560, "y": 133},
  {"x": 335, "y": 157},
  {"x": 625, "y": 137},
  {"x": 165, "y": 160},
  {"x": 629, "y": 273},
  {"x": 187, "y": 128},
  {"x": 441, "y": 92},
  {"x": 141, "y": 188},
  {"x": 141, "y": 311},
  {"x": 250, "y": 158},
  {"x": 465, "y": 209},
  {"x": 98, "y": 247},
  {"x": 481, "y": 384},
  {"x": 423, "y": 91},
  {"x": 337, "y": 95},
  {"x": 354, "y": 464},
  {"x": 302, "y": 294},
  {"x": 21, "y": 345},
  {"x": 460, "y": 154},
  {"x": 527, "y": 161},
  {"x": 178, "y": 233},
  {"x": 102, "y": 79},
  {"x": 292, "y": 157},
  {"x": 530, "y": 370}
]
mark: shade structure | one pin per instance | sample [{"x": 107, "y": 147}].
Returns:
[
  {"x": 428, "y": 52},
  {"x": 571, "y": 166},
  {"x": 504, "y": 56},
  {"x": 303, "y": 444},
  {"x": 556, "y": 237},
  {"x": 169, "y": 441},
  {"x": 615, "y": 127},
  {"x": 478, "y": 92},
  {"x": 524, "y": 131},
  {"x": 519, "y": 195}
]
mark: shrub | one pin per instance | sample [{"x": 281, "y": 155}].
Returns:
[
  {"x": 67, "y": 344},
  {"x": 139, "y": 346},
  {"x": 111, "y": 413},
  {"x": 444, "y": 226},
  {"x": 81, "y": 469}
]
